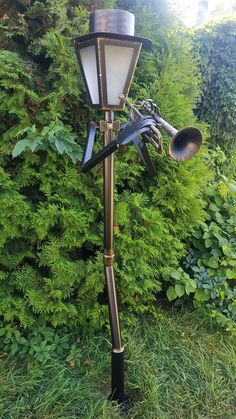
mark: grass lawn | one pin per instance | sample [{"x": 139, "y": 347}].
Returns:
[{"x": 176, "y": 367}]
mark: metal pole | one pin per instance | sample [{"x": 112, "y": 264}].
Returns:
[{"x": 117, "y": 379}]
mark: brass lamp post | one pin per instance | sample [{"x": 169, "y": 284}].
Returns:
[{"x": 108, "y": 56}]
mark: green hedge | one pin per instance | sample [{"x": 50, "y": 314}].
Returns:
[
  {"x": 215, "y": 47},
  {"x": 51, "y": 215}
]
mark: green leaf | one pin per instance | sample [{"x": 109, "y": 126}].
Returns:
[
  {"x": 75, "y": 154},
  {"x": 208, "y": 243},
  {"x": 171, "y": 293},
  {"x": 206, "y": 235},
  {"x": 218, "y": 200},
  {"x": 231, "y": 262},
  {"x": 19, "y": 147},
  {"x": 232, "y": 186},
  {"x": 227, "y": 250},
  {"x": 34, "y": 143},
  {"x": 2, "y": 331},
  {"x": 190, "y": 286},
  {"x": 14, "y": 348},
  {"x": 179, "y": 289},
  {"x": 31, "y": 143},
  {"x": 201, "y": 295},
  {"x": 213, "y": 207},
  {"x": 175, "y": 275},
  {"x": 213, "y": 262},
  {"x": 192, "y": 283},
  {"x": 60, "y": 146},
  {"x": 231, "y": 273},
  {"x": 41, "y": 357}
]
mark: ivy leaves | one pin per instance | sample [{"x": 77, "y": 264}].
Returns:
[
  {"x": 55, "y": 136},
  {"x": 215, "y": 47}
]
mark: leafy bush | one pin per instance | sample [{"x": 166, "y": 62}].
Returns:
[
  {"x": 215, "y": 47},
  {"x": 212, "y": 258},
  {"x": 210, "y": 267},
  {"x": 51, "y": 215},
  {"x": 42, "y": 343}
]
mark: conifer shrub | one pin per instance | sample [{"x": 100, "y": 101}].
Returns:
[{"x": 51, "y": 215}]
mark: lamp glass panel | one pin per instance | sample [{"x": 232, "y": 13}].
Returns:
[
  {"x": 89, "y": 63},
  {"x": 117, "y": 62}
]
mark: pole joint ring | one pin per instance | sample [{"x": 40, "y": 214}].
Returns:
[{"x": 108, "y": 260}]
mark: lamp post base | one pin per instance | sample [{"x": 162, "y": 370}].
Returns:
[
  {"x": 117, "y": 366},
  {"x": 117, "y": 385}
]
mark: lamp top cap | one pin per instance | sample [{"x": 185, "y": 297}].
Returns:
[{"x": 112, "y": 21}]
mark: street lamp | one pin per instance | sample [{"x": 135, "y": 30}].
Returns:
[{"x": 108, "y": 56}]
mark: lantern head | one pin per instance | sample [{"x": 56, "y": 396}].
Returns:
[{"x": 108, "y": 56}]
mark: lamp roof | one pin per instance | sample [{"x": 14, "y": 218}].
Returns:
[{"x": 113, "y": 24}]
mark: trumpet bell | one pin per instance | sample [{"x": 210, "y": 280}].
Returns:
[{"x": 185, "y": 143}]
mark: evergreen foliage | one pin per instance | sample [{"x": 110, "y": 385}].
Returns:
[
  {"x": 215, "y": 47},
  {"x": 51, "y": 214}
]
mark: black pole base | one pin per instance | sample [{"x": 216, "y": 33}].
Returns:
[
  {"x": 117, "y": 384},
  {"x": 117, "y": 376}
]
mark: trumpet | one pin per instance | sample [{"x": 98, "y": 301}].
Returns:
[{"x": 184, "y": 143}]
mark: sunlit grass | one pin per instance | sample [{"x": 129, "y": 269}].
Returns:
[{"x": 175, "y": 368}]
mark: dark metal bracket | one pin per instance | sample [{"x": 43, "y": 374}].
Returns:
[
  {"x": 129, "y": 133},
  {"x": 92, "y": 128}
]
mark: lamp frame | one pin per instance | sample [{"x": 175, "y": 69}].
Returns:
[{"x": 100, "y": 40}]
